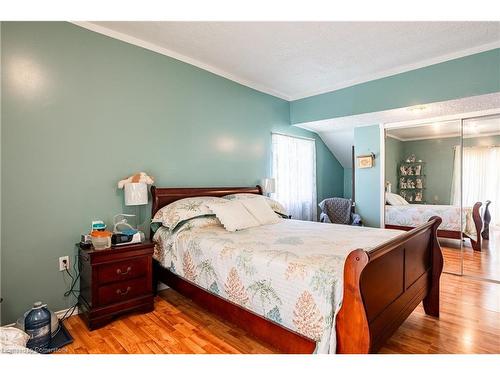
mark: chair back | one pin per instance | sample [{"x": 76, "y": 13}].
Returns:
[{"x": 338, "y": 210}]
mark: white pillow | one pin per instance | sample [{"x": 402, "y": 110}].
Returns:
[
  {"x": 395, "y": 199},
  {"x": 233, "y": 215},
  {"x": 275, "y": 205},
  {"x": 260, "y": 210},
  {"x": 402, "y": 201}
]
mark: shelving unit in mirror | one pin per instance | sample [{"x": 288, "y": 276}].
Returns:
[{"x": 411, "y": 180}]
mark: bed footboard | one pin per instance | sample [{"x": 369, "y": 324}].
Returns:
[
  {"x": 478, "y": 224},
  {"x": 383, "y": 286},
  {"x": 486, "y": 221}
]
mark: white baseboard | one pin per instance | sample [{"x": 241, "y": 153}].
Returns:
[{"x": 59, "y": 314}]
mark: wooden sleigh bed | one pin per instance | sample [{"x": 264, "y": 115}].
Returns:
[
  {"x": 481, "y": 227},
  {"x": 381, "y": 286}
]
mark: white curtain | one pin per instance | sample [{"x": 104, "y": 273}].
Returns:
[
  {"x": 481, "y": 178},
  {"x": 456, "y": 182},
  {"x": 294, "y": 168}
]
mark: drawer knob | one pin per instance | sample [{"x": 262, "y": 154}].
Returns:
[
  {"x": 124, "y": 292},
  {"x": 120, "y": 272}
]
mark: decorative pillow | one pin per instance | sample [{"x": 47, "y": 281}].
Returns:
[
  {"x": 275, "y": 205},
  {"x": 233, "y": 215},
  {"x": 260, "y": 210},
  {"x": 184, "y": 209},
  {"x": 395, "y": 199},
  {"x": 198, "y": 222}
]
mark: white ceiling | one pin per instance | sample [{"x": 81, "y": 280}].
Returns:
[
  {"x": 478, "y": 127},
  {"x": 338, "y": 133},
  {"x": 293, "y": 60}
]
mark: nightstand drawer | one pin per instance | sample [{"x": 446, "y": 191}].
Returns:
[
  {"x": 123, "y": 270},
  {"x": 115, "y": 281},
  {"x": 123, "y": 291}
]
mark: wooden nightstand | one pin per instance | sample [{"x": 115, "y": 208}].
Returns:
[{"x": 115, "y": 281}]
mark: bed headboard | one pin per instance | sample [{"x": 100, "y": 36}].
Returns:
[{"x": 163, "y": 196}]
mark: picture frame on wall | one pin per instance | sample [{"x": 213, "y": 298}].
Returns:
[{"x": 366, "y": 161}]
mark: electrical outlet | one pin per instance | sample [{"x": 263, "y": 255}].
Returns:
[{"x": 64, "y": 263}]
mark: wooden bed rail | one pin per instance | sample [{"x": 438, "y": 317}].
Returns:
[{"x": 383, "y": 286}]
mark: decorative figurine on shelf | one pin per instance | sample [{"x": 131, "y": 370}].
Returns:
[
  {"x": 409, "y": 171},
  {"x": 412, "y": 158},
  {"x": 410, "y": 198},
  {"x": 418, "y": 197},
  {"x": 418, "y": 169},
  {"x": 402, "y": 183},
  {"x": 419, "y": 183},
  {"x": 402, "y": 170},
  {"x": 411, "y": 184}
]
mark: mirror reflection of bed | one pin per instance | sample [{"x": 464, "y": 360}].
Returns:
[{"x": 434, "y": 169}]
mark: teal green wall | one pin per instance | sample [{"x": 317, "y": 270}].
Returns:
[
  {"x": 468, "y": 76},
  {"x": 392, "y": 159},
  {"x": 85, "y": 111},
  {"x": 438, "y": 155},
  {"x": 329, "y": 172},
  {"x": 492, "y": 140},
  {"x": 367, "y": 180},
  {"x": 348, "y": 183}
]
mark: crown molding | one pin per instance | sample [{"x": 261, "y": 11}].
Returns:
[
  {"x": 400, "y": 69},
  {"x": 444, "y": 118},
  {"x": 175, "y": 55},
  {"x": 394, "y": 137},
  {"x": 443, "y": 136},
  {"x": 262, "y": 88}
]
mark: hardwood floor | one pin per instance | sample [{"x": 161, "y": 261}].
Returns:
[
  {"x": 176, "y": 325},
  {"x": 469, "y": 323},
  {"x": 485, "y": 263}
]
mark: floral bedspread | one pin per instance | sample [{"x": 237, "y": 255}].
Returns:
[
  {"x": 412, "y": 215},
  {"x": 290, "y": 272}
]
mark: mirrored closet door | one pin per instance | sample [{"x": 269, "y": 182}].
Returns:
[
  {"x": 481, "y": 195},
  {"x": 420, "y": 182},
  {"x": 450, "y": 169}
]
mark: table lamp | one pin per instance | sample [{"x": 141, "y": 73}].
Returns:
[
  {"x": 268, "y": 186},
  {"x": 136, "y": 193}
]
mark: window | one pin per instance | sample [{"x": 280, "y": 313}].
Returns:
[
  {"x": 294, "y": 168},
  {"x": 481, "y": 178}
]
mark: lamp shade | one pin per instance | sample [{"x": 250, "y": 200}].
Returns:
[
  {"x": 136, "y": 193},
  {"x": 268, "y": 185}
]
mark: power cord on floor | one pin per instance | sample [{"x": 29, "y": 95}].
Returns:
[{"x": 72, "y": 291}]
